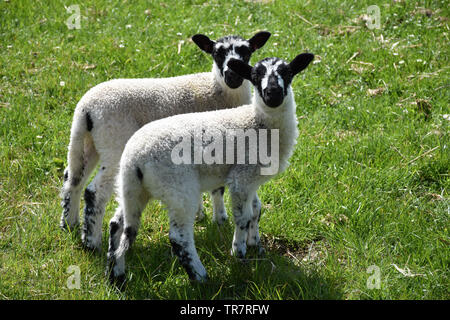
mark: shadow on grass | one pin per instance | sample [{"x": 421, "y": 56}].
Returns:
[{"x": 154, "y": 273}]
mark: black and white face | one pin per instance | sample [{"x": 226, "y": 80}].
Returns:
[
  {"x": 272, "y": 77},
  {"x": 231, "y": 47}
]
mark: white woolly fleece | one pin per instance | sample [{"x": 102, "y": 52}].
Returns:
[{"x": 150, "y": 147}]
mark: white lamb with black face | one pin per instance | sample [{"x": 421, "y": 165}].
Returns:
[
  {"x": 108, "y": 115},
  {"x": 150, "y": 167}
]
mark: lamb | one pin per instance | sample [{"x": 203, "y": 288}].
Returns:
[
  {"x": 152, "y": 167},
  {"x": 108, "y": 115}
]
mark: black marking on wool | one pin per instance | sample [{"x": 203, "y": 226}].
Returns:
[
  {"x": 66, "y": 202},
  {"x": 75, "y": 181},
  {"x": 221, "y": 190},
  {"x": 130, "y": 233},
  {"x": 139, "y": 173},
  {"x": 184, "y": 257},
  {"x": 175, "y": 225},
  {"x": 256, "y": 205},
  {"x": 247, "y": 225},
  {"x": 89, "y": 123},
  {"x": 66, "y": 205},
  {"x": 89, "y": 212},
  {"x": 113, "y": 227},
  {"x": 66, "y": 176},
  {"x": 89, "y": 199},
  {"x": 87, "y": 231}
]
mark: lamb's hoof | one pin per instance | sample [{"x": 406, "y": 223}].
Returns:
[
  {"x": 200, "y": 278},
  {"x": 91, "y": 247},
  {"x": 239, "y": 254},
  {"x": 118, "y": 281},
  {"x": 65, "y": 226},
  {"x": 204, "y": 279},
  {"x": 257, "y": 248}
]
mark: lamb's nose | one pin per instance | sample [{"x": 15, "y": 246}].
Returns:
[
  {"x": 273, "y": 90},
  {"x": 231, "y": 75},
  {"x": 273, "y": 86}
]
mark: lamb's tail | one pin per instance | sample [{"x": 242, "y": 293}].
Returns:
[
  {"x": 82, "y": 158},
  {"x": 79, "y": 148}
]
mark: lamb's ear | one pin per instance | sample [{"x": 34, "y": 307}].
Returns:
[
  {"x": 203, "y": 42},
  {"x": 300, "y": 62},
  {"x": 241, "y": 68},
  {"x": 258, "y": 40}
]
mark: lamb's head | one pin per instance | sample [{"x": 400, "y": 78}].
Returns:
[
  {"x": 271, "y": 77},
  {"x": 230, "y": 47}
]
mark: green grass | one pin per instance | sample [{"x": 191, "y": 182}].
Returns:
[{"x": 368, "y": 182}]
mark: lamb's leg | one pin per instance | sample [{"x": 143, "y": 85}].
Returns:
[
  {"x": 200, "y": 214},
  {"x": 253, "y": 238},
  {"x": 116, "y": 261},
  {"x": 81, "y": 165},
  {"x": 124, "y": 227},
  {"x": 243, "y": 213},
  {"x": 115, "y": 231},
  {"x": 181, "y": 237},
  {"x": 96, "y": 196},
  {"x": 219, "y": 211}
]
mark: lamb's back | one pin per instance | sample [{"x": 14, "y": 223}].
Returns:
[
  {"x": 157, "y": 139},
  {"x": 150, "y": 99}
]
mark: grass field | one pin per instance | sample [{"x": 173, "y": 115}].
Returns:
[{"x": 361, "y": 213}]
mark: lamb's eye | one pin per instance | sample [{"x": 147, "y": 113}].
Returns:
[
  {"x": 284, "y": 72},
  {"x": 258, "y": 73},
  {"x": 219, "y": 55},
  {"x": 244, "y": 52},
  {"x": 261, "y": 71}
]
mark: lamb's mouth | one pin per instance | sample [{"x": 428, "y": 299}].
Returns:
[{"x": 232, "y": 79}]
